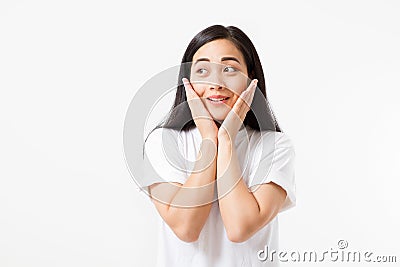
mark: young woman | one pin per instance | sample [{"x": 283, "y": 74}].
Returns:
[{"x": 225, "y": 168}]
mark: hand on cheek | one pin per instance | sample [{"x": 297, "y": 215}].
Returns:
[
  {"x": 201, "y": 116},
  {"x": 236, "y": 116}
]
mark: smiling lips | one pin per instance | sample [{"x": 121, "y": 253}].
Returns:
[{"x": 217, "y": 99}]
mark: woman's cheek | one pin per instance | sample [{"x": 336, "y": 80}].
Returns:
[
  {"x": 198, "y": 89},
  {"x": 236, "y": 86}
]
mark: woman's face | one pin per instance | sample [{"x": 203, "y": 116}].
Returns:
[{"x": 219, "y": 76}]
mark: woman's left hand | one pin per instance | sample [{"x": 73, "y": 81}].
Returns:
[{"x": 234, "y": 120}]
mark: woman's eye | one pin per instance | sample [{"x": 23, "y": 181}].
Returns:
[
  {"x": 229, "y": 69},
  {"x": 201, "y": 71}
]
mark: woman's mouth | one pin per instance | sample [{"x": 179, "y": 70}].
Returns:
[{"x": 217, "y": 99}]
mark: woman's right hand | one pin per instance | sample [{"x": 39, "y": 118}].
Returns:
[{"x": 202, "y": 118}]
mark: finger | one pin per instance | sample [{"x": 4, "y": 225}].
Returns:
[
  {"x": 242, "y": 105},
  {"x": 192, "y": 97},
  {"x": 238, "y": 108},
  {"x": 252, "y": 85},
  {"x": 195, "y": 103},
  {"x": 190, "y": 93},
  {"x": 250, "y": 92},
  {"x": 253, "y": 90},
  {"x": 242, "y": 100}
]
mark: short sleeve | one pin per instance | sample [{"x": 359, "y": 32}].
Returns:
[
  {"x": 275, "y": 162},
  {"x": 162, "y": 159}
]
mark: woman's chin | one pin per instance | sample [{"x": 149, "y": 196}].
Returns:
[
  {"x": 220, "y": 113},
  {"x": 219, "y": 117}
]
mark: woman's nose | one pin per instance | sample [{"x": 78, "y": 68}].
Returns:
[
  {"x": 215, "y": 86},
  {"x": 216, "y": 82}
]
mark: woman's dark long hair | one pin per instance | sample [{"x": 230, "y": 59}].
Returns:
[{"x": 259, "y": 117}]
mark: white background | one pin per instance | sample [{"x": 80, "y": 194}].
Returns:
[{"x": 68, "y": 71}]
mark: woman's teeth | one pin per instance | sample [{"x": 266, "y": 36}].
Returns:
[{"x": 218, "y": 99}]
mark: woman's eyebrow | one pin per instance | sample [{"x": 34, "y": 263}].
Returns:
[
  {"x": 222, "y": 59},
  {"x": 201, "y": 59},
  {"x": 230, "y": 58}
]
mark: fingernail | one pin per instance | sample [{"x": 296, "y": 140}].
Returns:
[{"x": 255, "y": 81}]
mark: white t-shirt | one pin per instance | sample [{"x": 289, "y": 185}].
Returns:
[{"x": 263, "y": 156}]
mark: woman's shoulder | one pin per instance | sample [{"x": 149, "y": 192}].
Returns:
[
  {"x": 278, "y": 139},
  {"x": 162, "y": 133},
  {"x": 283, "y": 139}
]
